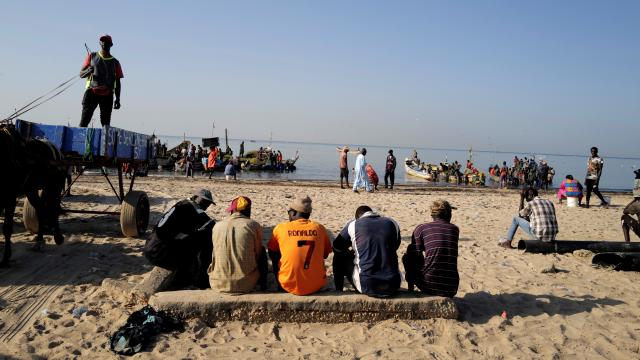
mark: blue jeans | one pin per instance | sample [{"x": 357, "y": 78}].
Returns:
[{"x": 523, "y": 224}]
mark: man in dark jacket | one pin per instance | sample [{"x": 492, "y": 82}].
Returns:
[
  {"x": 103, "y": 73},
  {"x": 365, "y": 252},
  {"x": 180, "y": 247},
  {"x": 389, "y": 170}
]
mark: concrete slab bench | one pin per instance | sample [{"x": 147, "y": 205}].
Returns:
[{"x": 328, "y": 307}]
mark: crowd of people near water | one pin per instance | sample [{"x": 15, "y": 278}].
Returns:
[
  {"x": 365, "y": 177},
  {"x": 523, "y": 172},
  {"x": 190, "y": 159}
]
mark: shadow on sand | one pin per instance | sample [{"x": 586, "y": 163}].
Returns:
[{"x": 478, "y": 308}]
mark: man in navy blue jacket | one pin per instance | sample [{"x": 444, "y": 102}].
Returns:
[{"x": 365, "y": 252}]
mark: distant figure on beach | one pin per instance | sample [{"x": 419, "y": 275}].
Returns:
[
  {"x": 373, "y": 176},
  {"x": 239, "y": 261},
  {"x": 431, "y": 260},
  {"x": 365, "y": 252},
  {"x": 230, "y": 171},
  {"x": 189, "y": 161},
  {"x": 361, "y": 179},
  {"x": 504, "y": 170},
  {"x": 390, "y": 170},
  {"x": 594, "y": 172},
  {"x": 211, "y": 163},
  {"x": 633, "y": 208},
  {"x": 103, "y": 73},
  {"x": 180, "y": 247},
  {"x": 297, "y": 250},
  {"x": 570, "y": 188},
  {"x": 542, "y": 224},
  {"x": 342, "y": 164},
  {"x": 241, "y": 152},
  {"x": 543, "y": 174}
]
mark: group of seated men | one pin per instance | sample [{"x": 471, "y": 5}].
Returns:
[{"x": 189, "y": 249}]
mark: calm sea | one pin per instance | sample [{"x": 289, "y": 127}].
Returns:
[{"x": 320, "y": 161}]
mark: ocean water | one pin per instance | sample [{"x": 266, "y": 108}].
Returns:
[{"x": 320, "y": 161}]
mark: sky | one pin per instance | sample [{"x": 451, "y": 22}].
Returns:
[{"x": 536, "y": 76}]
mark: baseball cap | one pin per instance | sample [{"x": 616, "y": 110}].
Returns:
[
  {"x": 301, "y": 204},
  {"x": 240, "y": 203},
  {"x": 205, "y": 194},
  {"x": 106, "y": 38}
]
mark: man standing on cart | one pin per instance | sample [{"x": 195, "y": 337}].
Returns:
[{"x": 103, "y": 73}]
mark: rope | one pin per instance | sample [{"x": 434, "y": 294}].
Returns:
[{"x": 65, "y": 85}]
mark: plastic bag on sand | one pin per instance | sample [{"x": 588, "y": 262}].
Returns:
[{"x": 140, "y": 329}]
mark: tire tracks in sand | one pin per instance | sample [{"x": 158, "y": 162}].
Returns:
[{"x": 36, "y": 279}]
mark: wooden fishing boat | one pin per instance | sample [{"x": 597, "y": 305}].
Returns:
[{"x": 412, "y": 170}]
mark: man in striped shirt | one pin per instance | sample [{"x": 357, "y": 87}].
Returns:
[
  {"x": 431, "y": 260},
  {"x": 542, "y": 225}
]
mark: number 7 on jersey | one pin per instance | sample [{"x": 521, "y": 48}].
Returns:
[{"x": 312, "y": 246}]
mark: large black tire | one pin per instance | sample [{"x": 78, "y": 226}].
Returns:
[
  {"x": 134, "y": 215},
  {"x": 30, "y": 217}
]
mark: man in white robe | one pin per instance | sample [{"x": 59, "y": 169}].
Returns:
[{"x": 361, "y": 179}]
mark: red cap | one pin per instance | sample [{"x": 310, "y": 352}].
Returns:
[{"x": 106, "y": 38}]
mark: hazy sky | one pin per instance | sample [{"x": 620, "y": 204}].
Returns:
[{"x": 537, "y": 76}]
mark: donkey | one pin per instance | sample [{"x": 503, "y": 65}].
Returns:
[{"x": 32, "y": 168}]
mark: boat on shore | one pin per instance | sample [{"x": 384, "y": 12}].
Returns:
[
  {"x": 266, "y": 160},
  {"x": 443, "y": 173},
  {"x": 418, "y": 171}
]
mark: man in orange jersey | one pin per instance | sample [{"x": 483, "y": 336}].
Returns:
[{"x": 297, "y": 250}]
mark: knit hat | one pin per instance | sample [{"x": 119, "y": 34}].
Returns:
[
  {"x": 240, "y": 203},
  {"x": 302, "y": 204}
]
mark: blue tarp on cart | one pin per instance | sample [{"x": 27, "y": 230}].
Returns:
[{"x": 107, "y": 142}]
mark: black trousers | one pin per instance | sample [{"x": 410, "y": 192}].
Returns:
[
  {"x": 263, "y": 268},
  {"x": 342, "y": 266},
  {"x": 413, "y": 261},
  {"x": 592, "y": 185},
  {"x": 89, "y": 103},
  {"x": 390, "y": 175}
]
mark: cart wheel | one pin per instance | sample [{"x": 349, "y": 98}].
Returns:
[
  {"x": 30, "y": 217},
  {"x": 134, "y": 215}
]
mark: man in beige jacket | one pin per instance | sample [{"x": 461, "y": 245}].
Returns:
[{"x": 239, "y": 259}]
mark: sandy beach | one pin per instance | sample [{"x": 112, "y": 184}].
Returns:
[{"x": 577, "y": 312}]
